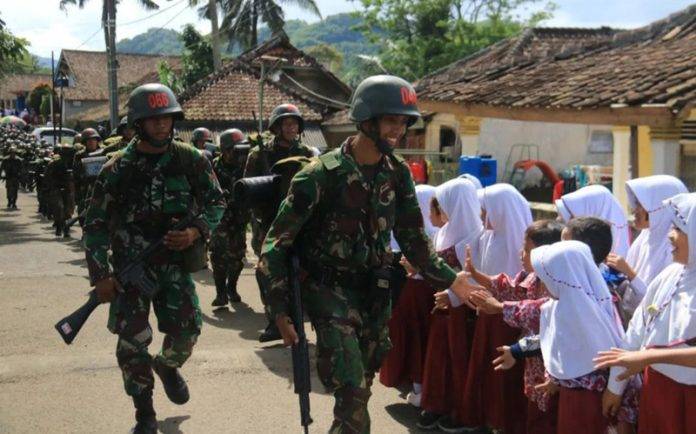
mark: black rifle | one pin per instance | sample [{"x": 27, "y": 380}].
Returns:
[
  {"x": 68, "y": 223},
  {"x": 132, "y": 275},
  {"x": 300, "y": 350}
]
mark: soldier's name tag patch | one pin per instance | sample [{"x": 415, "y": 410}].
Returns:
[{"x": 383, "y": 283}]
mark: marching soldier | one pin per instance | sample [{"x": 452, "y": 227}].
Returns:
[
  {"x": 286, "y": 124},
  {"x": 228, "y": 243},
  {"x": 11, "y": 166},
  {"x": 338, "y": 216},
  {"x": 90, "y": 140},
  {"x": 124, "y": 134},
  {"x": 61, "y": 186},
  {"x": 138, "y": 196}
]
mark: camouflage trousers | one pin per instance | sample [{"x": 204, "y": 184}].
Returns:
[
  {"x": 352, "y": 340},
  {"x": 227, "y": 252},
  {"x": 62, "y": 204},
  {"x": 178, "y": 317},
  {"x": 11, "y": 187},
  {"x": 258, "y": 234}
]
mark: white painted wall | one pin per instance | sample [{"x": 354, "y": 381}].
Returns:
[{"x": 561, "y": 145}]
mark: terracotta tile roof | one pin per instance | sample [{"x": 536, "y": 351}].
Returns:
[
  {"x": 13, "y": 84},
  {"x": 89, "y": 70},
  {"x": 651, "y": 65},
  {"x": 231, "y": 94}
]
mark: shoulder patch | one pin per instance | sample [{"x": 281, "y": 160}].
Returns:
[{"x": 330, "y": 160}]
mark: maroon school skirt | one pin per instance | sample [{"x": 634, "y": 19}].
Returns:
[
  {"x": 408, "y": 330},
  {"x": 580, "y": 412},
  {"x": 542, "y": 422},
  {"x": 494, "y": 398},
  {"x": 666, "y": 406}
]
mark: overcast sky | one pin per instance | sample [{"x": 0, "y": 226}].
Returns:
[{"x": 48, "y": 28}]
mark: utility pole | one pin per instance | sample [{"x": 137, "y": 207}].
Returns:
[
  {"x": 112, "y": 64},
  {"x": 215, "y": 35}
]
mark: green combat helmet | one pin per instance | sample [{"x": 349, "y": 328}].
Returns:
[
  {"x": 230, "y": 138},
  {"x": 90, "y": 133},
  {"x": 285, "y": 111},
  {"x": 201, "y": 133},
  {"x": 381, "y": 95},
  {"x": 149, "y": 100}
]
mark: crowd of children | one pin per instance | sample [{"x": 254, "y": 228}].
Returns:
[{"x": 566, "y": 326}]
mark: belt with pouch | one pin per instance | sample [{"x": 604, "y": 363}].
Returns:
[{"x": 329, "y": 275}]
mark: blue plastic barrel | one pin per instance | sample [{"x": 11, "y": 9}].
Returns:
[{"x": 482, "y": 167}]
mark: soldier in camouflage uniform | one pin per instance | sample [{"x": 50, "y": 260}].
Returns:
[
  {"x": 337, "y": 217},
  {"x": 61, "y": 186},
  {"x": 137, "y": 197},
  {"x": 287, "y": 124},
  {"x": 124, "y": 134},
  {"x": 11, "y": 167},
  {"x": 228, "y": 243},
  {"x": 91, "y": 140}
]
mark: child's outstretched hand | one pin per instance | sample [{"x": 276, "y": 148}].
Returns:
[
  {"x": 407, "y": 265},
  {"x": 505, "y": 360},
  {"x": 633, "y": 361},
  {"x": 485, "y": 302},
  {"x": 468, "y": 262}
]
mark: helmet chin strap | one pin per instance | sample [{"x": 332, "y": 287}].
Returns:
[{"x": 140, "y": 132}]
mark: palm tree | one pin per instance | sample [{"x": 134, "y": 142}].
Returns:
[
  {"x": 241, "y": 18},
  {"x": 109, "y": 26},
  {"x": 210, "y": 12}
]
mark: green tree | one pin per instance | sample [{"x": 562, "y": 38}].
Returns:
[
  {"x": 417, "y": 37},
  {"x": 45, "y": 107},
  {"x": 241, "y": 18},
  {"x": 37, "y": 94},
  {"x": 196, "y": 61},
  {"x": 169, "y": 77},
  {"x": 327, "y": 55},
  {"x": 12, "y": 49}
]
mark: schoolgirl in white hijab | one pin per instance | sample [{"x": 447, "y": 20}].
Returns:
[
  {"x": 577, "y": 322},
  {"x": 474, "y": 180},
  {"x": 597, "y": 201},
  {"x": 457, "y": 198},
  {"x": 424, "y": 193},
  {"x": 665, "y": 318},
  {"x": 580, "y": 320},
  {"x": 651, "y": 252},
  {"x": 507, "y": 217}
]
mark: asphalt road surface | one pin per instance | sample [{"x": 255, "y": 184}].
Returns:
[{"x": 237, "y": 384}]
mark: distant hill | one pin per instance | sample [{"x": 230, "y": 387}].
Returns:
[
  {"x": 334, "y": 30},
  {"x": 154, "y": 41}
]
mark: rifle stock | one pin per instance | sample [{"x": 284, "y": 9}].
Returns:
[
  {"x": 300, "y": 351},
  {"x": 133, "y": 274}
]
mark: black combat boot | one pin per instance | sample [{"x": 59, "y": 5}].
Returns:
[
  {"x": 145, "y": 418},
  {"x": 174, "y": 384},
  {"x": 270, "y": 334},
  {"x": 59, "y": 229},
  {"x": 232, "y": 293},
  {"x": 221, "y": 290}
]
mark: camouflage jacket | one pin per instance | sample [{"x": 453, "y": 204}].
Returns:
[
  {"x": 227, "y": 175},
  {"x": 136, "y": 197},
  {"x": 58, "y": 173},
  {"x": 338, "y": 220}
]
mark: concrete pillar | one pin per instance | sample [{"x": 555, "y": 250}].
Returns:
[
  {"x": 469, "y": 129},
  {"x": 622, "y": 158},
  {"x": 665, "y": 150},
  {"x": 645, "y": 153}
]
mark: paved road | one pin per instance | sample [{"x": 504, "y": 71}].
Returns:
[{"x": 237, "y": 385}]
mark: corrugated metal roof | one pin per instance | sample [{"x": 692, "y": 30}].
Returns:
[{"x": 313, "y": 136}]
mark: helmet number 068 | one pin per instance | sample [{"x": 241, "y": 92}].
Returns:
[{"x": 158, "y": 100}]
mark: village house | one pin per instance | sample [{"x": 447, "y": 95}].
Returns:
[
  {"x": 623, "y": 99},
  {"x": 15, "y": 89}
]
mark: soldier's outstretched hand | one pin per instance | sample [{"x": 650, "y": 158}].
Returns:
[{"x": 287, "y": 330}]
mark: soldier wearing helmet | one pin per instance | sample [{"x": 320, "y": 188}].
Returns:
[
  {"x": 228, "y": 243},
  {"x": 338, "y": 217},
  {"x": 61, "y": 186},
  {"x": 286, "y": 124},
  {"x": 90, "y": 142},
  {"x": 11, "y": 167},
  {"x": 202, "y": 140},
  {"x": 137, "y": 198},
  {"x": 124, "y": 134}
]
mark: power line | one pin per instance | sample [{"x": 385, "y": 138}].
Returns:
[
  {"x": 311, "y": 92},
  {"x": 139, "y": 20},
  {"x": 90, "y": 37}
]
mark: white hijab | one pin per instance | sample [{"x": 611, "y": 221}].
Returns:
[
  {"x": 667, "y": 316},
  {"x": 424, "y": 193},
  {"x": 597, "y": 201},
  {"x": 508, "y": 213},
  {"x": 457, "y": 199},
  {"x": 474, "y": 180},
  {"x": 651, "y": 251},
  {"x": 581, "y": 319}
]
